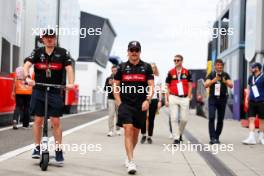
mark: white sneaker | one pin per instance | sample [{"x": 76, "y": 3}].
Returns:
[
  {"x": 261, "y": 138},
  {"x": 110, "y": 134},
  {"x": 132, "y": 168},
  {"x": 118, "y": 132},
  {"x": 127, "y": 163},
  {"x": 170, "y": 136},
  {"x": 251, "y": 140},
  {"x": 261, "y": 141}
]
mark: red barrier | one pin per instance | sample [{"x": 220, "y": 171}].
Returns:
[
  {"x": 72, "y": 96},
  {"x": 7, "y": 101}
]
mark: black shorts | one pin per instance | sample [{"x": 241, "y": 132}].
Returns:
[
  {"x": 131, "y": 115},
  {"x": 256, "y": 108},
  {"x": 37, "y": 104}
]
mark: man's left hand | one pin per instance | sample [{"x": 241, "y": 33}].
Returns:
[
  {"x": 145, "y": 105},
  {"x": 159, "y": 104},
  {"x": 69, "y": 86}
]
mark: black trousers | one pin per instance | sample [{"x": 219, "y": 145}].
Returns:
[
  {"x": 152, "y": 112},
  {"x": 216, "y": 105},
  {"x": 22, "y": 109}
]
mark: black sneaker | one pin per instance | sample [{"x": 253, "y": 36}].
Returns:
[
  {"x": 213, "y": 141},
  {"x": 36, "y": 152},
  {"x": 176, "y": 141},
  {"x": 217, "y": 141},
  {"x": 143, "y": 139},
  {"x": 59, "y": 156},
  {"x": 15, "y": 125},
  {"x": 149, "y": 140},
  {"x": 181, "y": 140}
]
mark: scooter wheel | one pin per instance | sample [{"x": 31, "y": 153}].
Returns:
[{"x": 44, "y": 162}]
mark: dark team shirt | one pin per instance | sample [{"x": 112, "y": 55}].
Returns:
[
  {"x": 134, "y": 82},
  {"x": 50, "y": 69},
  {"x": 108, "y": 87},
  {"x": 259, "y": 82},
  {"x": 223, "y": 88}
]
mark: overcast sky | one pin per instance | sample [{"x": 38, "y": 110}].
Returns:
[{"x": 164, "y": 28}]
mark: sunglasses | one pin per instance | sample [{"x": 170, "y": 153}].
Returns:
[
  {"x": 177, "y": 60},
  {"x": 134, "y": 50},
  {"x": 50, "y": 36}
]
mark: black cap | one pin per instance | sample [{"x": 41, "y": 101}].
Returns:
[
  {"x": 48, "y": 33},
  {"x": 134, "y": 44},
  {"x": 257, "y": 64}
]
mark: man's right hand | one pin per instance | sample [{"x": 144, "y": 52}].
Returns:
[
  {"x": 30, "y": 82},
  {"x": 215, "y": 80}
]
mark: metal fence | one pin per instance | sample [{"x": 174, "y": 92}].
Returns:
[{"x": 99, "y": 101}]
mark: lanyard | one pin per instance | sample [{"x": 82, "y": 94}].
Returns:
[
  {"x": 255, "y": 81},
  {"x": 179, "y": 74}
]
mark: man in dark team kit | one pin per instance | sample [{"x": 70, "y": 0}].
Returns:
[
  {"x": 49, "y": 65},
  {"x": 133, "y": 90}
]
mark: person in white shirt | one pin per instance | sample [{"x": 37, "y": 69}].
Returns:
[{"x": 155, "y": 104}]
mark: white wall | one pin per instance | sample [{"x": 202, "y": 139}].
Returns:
[
  {"x": 1, "y": 23},
  {"x": 86, "y": 76},
  {"x": 8, "y": 21},
  {"x": 11, "y": 19},
  {"x": 46, "y": 13},
  {"x": 29, "y": 22},
  {"x": 70, "y": 20}
]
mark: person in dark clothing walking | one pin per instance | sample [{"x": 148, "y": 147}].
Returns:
[
  {"x": 112, "y": 107},
  {"x": 218, "y": 83},
  {"x": 155, "y": 104}
]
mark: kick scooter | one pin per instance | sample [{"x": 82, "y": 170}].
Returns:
[{"x": 44, "y": 154}]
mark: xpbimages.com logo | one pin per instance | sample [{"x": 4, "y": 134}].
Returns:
[
  {"x": 189, "y": 147},
  {"x": 81, "y": 148},
  {"x": 124, "y": 89},
  {"x": 82, "y": 32}
]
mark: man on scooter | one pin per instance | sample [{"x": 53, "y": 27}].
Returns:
[{"x": 50, "y": 63}]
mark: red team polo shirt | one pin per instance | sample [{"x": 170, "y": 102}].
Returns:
[{"x": 174, "y": 78}]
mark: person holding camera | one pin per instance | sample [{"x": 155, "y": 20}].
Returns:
[{"x": 218, "y": 82}]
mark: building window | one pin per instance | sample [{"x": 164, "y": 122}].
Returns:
[
  {"x": 15, "y": 57},
  {"x": 224, "y": 32},
  {"x": 5, "y": 56}
]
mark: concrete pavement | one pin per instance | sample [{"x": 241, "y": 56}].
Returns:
[
  {"x": 152, "y": 160},
  {"x": 244, "y": 160},
  {"x": 101, "y": 155}
]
